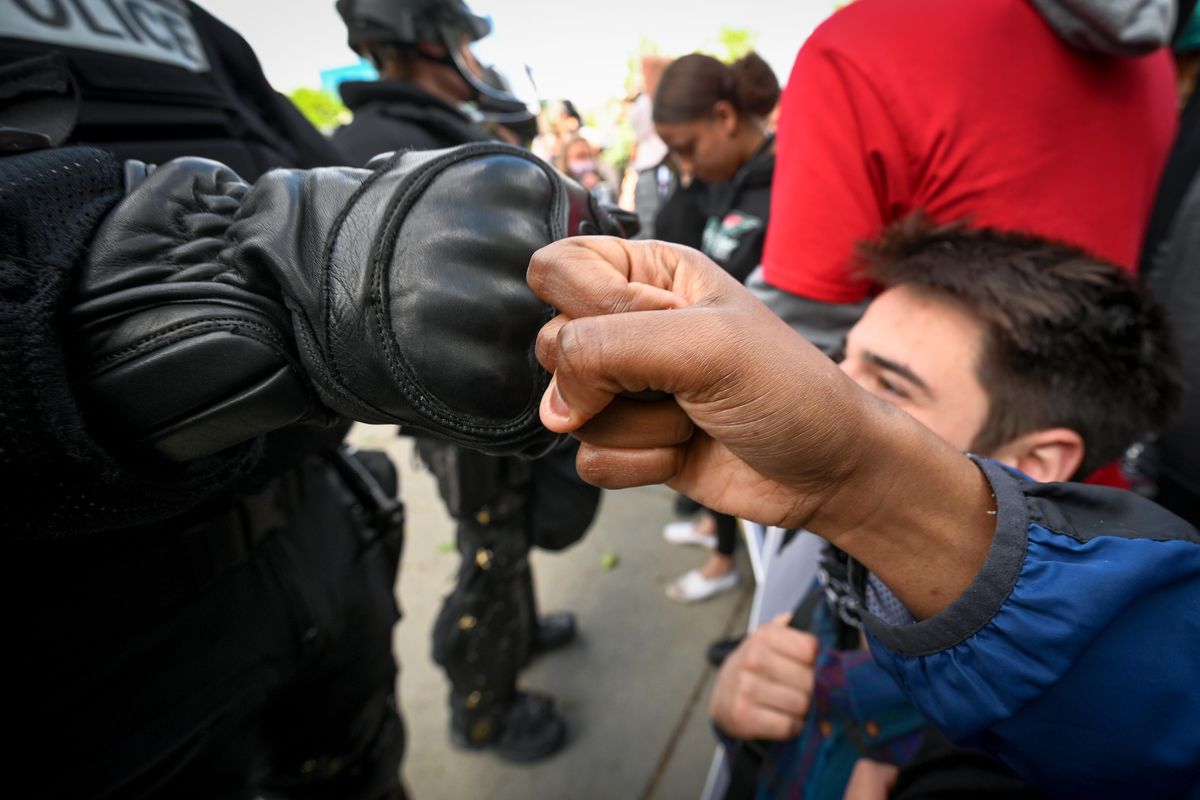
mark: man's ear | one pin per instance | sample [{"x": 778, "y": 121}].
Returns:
[{"x": 1047, "y": 456}]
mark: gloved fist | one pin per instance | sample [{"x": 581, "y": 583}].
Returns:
[{"x": 211, "y": 311}]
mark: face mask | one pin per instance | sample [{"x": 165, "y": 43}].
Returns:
[{"x": 581, "y": 166}]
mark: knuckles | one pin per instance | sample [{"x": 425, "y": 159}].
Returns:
[
  {"x": 546, "y": 344},
  {"x": 742, "y": 714},
  {"x": 754, "y": 657},
  {"x": 540, "y": 264},
  {"x": 574, "y": 351},
  {"x": 809, "y": 646}
]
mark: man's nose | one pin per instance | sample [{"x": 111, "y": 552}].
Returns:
[{"x": 857, "y": 375}]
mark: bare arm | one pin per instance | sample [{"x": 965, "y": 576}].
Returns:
[{"x": 760, "y": 424}]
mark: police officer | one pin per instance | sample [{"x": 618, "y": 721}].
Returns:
[
  {"x": 422, "y": 51},
  {"x": 204, "y": 576},
  {"x": 489, "y": 625}
]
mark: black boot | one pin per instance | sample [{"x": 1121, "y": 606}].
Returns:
[
  {"x": 552, "y": 632},
  {"x": 528, "y": 730},
  {"x": 719, "y": 650}
]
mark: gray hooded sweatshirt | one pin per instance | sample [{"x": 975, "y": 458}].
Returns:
[{"x": 1112, "y": 27}]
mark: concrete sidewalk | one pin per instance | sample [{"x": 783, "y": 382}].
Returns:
[{"x": 634, "y": 687}]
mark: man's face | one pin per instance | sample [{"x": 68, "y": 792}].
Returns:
[
  {"x": 444, "y": 80},
  {"x": 467, "y": 56},
  {"x": 920, "y": 353}
]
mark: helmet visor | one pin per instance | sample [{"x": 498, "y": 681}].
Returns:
[{"x": 503, "y": 81}]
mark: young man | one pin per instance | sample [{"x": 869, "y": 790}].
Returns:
[
  {"x": 1033, "y": 619},
  {"x": 1003, "y": 345}
]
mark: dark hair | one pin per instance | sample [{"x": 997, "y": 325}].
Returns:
[
  {"x": 1069, "y": 340},
  {"x": 692, "y": 85},
  {"x": 390, "y": 60},
  {"x": 569, "y": 110}
]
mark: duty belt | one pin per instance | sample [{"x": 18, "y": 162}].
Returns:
[
  {"x": 161, "y": 566},
  {"x": 224, "y": 540}
]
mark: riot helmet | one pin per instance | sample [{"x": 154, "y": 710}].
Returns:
[
  {"x": 449, "y": 23},
  {"x": 519, "y": 117}
]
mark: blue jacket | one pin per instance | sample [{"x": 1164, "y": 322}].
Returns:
[{"x": 1074, "y": 656}]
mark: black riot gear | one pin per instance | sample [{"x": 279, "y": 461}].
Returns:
[
  {"x": 408, "y": 23},
  {"x": 492, "y": 113},
  {"x": 118, "y": 550},
  {"x": 151, "y": 84},
  {"x": 167, "y": 329},
  {"x": 502, "y": 506},
  {"x": 489, "y": 625}
]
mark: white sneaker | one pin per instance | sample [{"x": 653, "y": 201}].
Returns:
[
  {"x": 692, "y": 587},
  {"x": 685, "y": 532}
]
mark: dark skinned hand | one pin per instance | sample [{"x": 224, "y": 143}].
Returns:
[{"x": 669, "y": 371}]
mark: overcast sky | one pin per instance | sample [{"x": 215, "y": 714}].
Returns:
[{"x": 575, "y": 49}]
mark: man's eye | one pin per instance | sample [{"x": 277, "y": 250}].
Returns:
[{"x": 892, "y": 388}]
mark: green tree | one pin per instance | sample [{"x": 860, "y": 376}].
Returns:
[
  {"x": 734, "y": 43},
  {"x": 633, "y": 65},
  {"x": 323, "y": 109}
]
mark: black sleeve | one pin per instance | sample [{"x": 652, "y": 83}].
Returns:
[
  {"x": 744, "y": 226},
  {"x": 748, "y": 253},
  {"x": 371, "y": 134},
  {"x": 942, "y": 770},
  {"x": 682, "y": 216},
  {"x": 57, "y": 478},
  {"x": 561, "y": 504}
]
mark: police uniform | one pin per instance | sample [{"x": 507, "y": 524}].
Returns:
[
  {"x": 205, "y": 576},
  {"x": 243, "y": 645},
  {"x": 390, "y": 115},
  {"x": 488, "y": 626}
]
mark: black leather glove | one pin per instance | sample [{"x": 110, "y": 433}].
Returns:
[{"x": 210, "y": 311}]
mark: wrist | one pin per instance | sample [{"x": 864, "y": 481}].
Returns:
[
  {"x": 866, "y": 470},
  {"x": 918, "y": 514}
]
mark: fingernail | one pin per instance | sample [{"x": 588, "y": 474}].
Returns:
[{"x": 558, "y": 406}]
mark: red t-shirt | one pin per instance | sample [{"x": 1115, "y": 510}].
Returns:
[{"x": 963, "y": 109}]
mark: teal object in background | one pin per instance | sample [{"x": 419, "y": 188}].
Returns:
[
  {"x": 332, "y": 78},
  {"x": 1189, "y": 37}
]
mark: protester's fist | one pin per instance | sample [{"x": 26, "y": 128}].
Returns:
[
  {"x": 765, "y": 685},
  {"x": 669, "y": 371},
  {"x": 774, "y": 420}
]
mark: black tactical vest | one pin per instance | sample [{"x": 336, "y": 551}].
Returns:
[{"x": 159, "y": 79}]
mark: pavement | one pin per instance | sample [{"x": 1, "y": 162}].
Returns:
[{"x": 633, "y": 688}]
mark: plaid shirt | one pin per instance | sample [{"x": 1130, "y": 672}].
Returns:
[{"x": 857, "y": 711}]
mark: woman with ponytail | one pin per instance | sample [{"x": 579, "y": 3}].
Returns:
[{"x": 712, "y": 116}]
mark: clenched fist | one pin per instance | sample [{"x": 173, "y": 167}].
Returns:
[
  {"x": 739, "y": 379},
  {"x": 765, "y": 686},
  {"x": 668, "y": 371}
]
